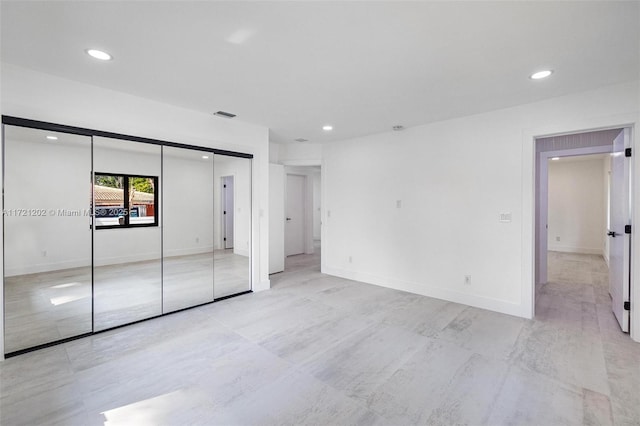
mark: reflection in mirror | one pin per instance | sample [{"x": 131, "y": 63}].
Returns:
[
  {"x": 187, "y": 224},
  {"x": 232, "y": 225},
  {"x": 47, "y": 256},
  {"x": 127, "y": 280}
]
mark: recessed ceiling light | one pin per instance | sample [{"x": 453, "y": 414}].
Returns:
[
  {"x": 555, "y": 158},
  {"x": 540, "y": 74},
  {"x": 327, "y": 127},
  {"x": 301, "y": 140},
  {"x": 205, "y": 157},
  {"x": 99, "y": 54},
  {"x": 52, "y": 138}
]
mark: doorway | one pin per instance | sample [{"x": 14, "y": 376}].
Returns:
[
  {"x": 296, "y": 194},
  {"x": 227, "y": 212},
  {"x": 581, "y": 213},
  {"x": 301, "y": 218}
]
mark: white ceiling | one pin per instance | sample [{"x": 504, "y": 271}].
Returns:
[{"x": 360, "y": 66}]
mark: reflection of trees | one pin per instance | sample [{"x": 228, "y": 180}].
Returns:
[
  {"x": 142, "y": 184},
  {"x": 110, "y": 181}
]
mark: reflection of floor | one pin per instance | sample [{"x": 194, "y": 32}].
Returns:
[
  {"x": 323, "y": 350},
  {"x": 45, "y": 307}
]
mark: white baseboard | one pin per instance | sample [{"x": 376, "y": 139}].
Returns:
[
  {"x": 45, "y": 267},
  {"x": 241, "y": 252},
  {"x": 421, "y": 288},
  {"x": 262, "y": 285},
  {"x": 138, "y": 257},
  {"x": 187, "y": 251},
  {"x": 579, "y": 250}
]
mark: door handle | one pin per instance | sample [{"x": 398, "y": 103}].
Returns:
[
  {"x": 288, "y": 219},
  {"x": 612, "y": 234}
]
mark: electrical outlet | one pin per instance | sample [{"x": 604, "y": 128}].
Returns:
[
  {"x": 350, "y": 259},
  {"x": 467, "y": 280},
  {"x": 197, "y": 239},
  {"x": 557, "y": 238},
  {"x": 44, "y": 253},
  {"x": 398, "y": 204}
]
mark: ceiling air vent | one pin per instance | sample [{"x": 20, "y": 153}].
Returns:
[
  {"x": 224, "y": 114},
  {"x": 301, "y": 140},
  {"x": 398, "y": 127}
]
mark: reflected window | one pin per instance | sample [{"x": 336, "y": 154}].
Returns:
[{"x": 125, "y": 201}]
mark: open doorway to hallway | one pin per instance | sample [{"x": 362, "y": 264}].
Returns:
[
  {"x": 295, "y": 224},
  {"x": 577, "y": 250},
  {"x": 583, "y": 205},
  {"x": 302, "y": 231}
]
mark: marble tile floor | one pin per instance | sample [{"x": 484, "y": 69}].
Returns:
[{"x": 321, "y": 350}]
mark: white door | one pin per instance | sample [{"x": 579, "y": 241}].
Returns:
[
  {"x": 227, "y": 211},
  {"x": 618, "y": 240},
  {"x": 294, "y": 222}
]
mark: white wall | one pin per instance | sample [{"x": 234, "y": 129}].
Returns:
[
  {"x": 317, "y": 208},
  {"x": 45, "y": 176},
  {"x": 453, "y": 179},
  {"x": 297, "y": 154},
  {"x": 187, "y": 215},
  {"x": 276, "y": 218},
  {"x": 34, "y": 95},
  {"x": 576, "y": 206}
]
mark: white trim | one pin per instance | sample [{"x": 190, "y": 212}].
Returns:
[
  {"x": 581, "y": 250},
  {"x": 301, "y": 162},
  {"x": 543, "y": 210},
  {"x": 47, "y": 267},
  {"x": 261, "y": 286},
  {"x": 482, "y": 302}
]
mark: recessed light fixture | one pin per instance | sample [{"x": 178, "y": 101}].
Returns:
[
  {"x": 327, "y": 128},
  {"x": 555, "y": 158},
  {"x": 52, "y": 138},
  {"x": 99, "y": 54},
  {"x": 540, "y": 74},
  {"x": 205, "y": 157},
  {"x": 301, "y": 140}
]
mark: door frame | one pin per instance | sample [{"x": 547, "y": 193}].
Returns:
[
  {"x": 542, "y": 212},
  {"x": 305, "y": 219},
  {"x": 529, "y": 204}
]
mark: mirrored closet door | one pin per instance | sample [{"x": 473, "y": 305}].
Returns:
[
  {"x": 102, "y": 232},
  {"x": 127, "y": 244},
  {"x": 47, "y": 236},
  {"x": 232, "y": 221},
  {"x": 187, "y": 224}
]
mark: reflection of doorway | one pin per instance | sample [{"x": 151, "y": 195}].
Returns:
[
  {"x": 295, "y": 214},
  {"x": 227, "y": 212}
]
